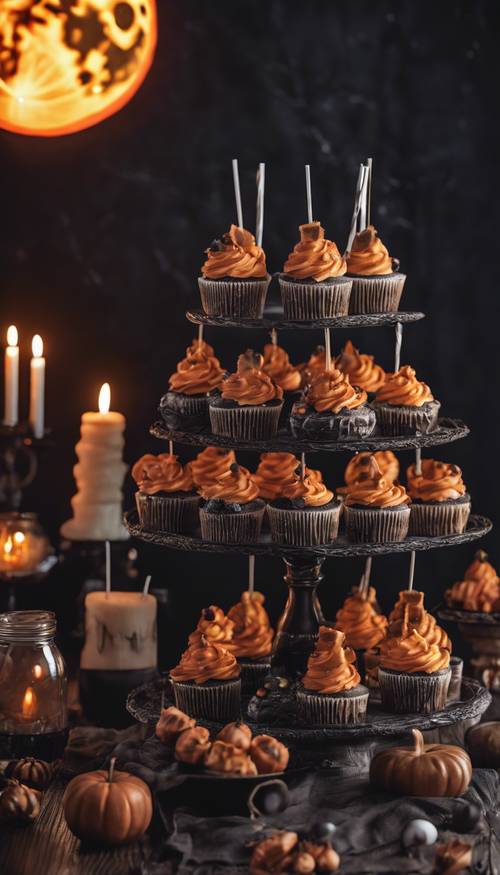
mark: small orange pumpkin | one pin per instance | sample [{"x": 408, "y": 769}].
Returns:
[
  {"x": 422, "y": 770},
  {"x": 269, "y": 754},
  {"x": 31, "y": 772},
  {"x": 108, "y": 807},
  {"x": 229, "y": 759},
  {"x": 19, "y": 804},
  {"x": 192, "y": 745},
  {"x": 172, "y": 722},
  {"x": 237, "y": 733}
]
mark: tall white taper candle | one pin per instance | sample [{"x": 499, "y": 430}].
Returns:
[
  {"x": 37, "y": 388},
  {"x": 11, "y": 408}
]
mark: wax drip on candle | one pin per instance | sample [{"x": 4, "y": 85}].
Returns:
[
  {"x": 309, "y": 193},
  {"x": 251, "y": 574},
  {"x": 328, "y": 351},
  {"x": 108, "y": 567},
  {"x": 412, "y": 570},
  {"x": 237, "y": 192},
  {"x": 146, "y": 585},
  {"x": 418, "y": 461},
  {"x": 397, "y": 348},
  {"x": 259, "y": 222}
]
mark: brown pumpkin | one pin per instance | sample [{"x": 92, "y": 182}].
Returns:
[
  {"x": 31, "y": 772},
  {"x": 108, "y": 807},
  {"x": 269, "y": 754},
  {"x": 192, "y": 745},
  {"x": 229, "y": 759},
  {"x": 274, "y": 854},
  {"x": 237, "y": 733},
  {"x": 172, "y": 722},
  {"x": 19, "y": 804},
  {"x": 422, "y": 770},
  {"x": 326, "y": 858}
]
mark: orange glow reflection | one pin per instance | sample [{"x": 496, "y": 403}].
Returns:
[
  {"x": 68, "y": 64},
  {"x": 29, "y": 704}
]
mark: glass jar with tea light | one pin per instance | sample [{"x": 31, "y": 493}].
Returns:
[
  {"x": 24, "y": 546},
  {"x": 33, "y": 687}
]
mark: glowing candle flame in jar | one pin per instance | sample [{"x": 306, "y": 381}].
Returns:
[
  {"x": 11, "y": 378},
  {"x": 29, "y": 705}
]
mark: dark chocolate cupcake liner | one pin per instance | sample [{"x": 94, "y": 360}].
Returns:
[
  {"x": 346, "y": 425},
  {"x": 219, "y": 702},
  {"x": 161, "y": 513},
  {"x": 304, "y": 528},
  {"x": 232, "y": 528},
  {"x": 413, "y": 693},
  {"x": 185, "y": 412},
  {"x": 397, "y": 421},
  {"x": 248, "y": 422},
  {"x": 253, "y": 674},
  {"x": 327, "y": 709},
  {"x": 455, "y": 688},
  {"x": 376, "y": 294},
  {"x": 441, "y": 518},
  {"x": 233, "y": 297},
  {"x": 365, "y": 525},
  {"x": 315, "y": 300}
]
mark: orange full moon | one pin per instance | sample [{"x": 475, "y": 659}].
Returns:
[{"x": 66, "y": 65}]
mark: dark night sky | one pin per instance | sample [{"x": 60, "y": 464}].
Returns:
[{"x": 104, "y": 231}]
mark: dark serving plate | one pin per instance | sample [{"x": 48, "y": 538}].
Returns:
[
  {"x": 459, "y": 615},
  {"x": 274, "y": 318}
]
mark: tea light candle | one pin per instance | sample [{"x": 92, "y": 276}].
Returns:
[
  {"x": 99, "y": 474},
  {"x": 11, "y": 409},
  {"x": 37, "y": 388},
  {"x": 120, "y": 631}
]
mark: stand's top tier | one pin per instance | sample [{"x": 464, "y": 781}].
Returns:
[{"x": 274, "y": 318}]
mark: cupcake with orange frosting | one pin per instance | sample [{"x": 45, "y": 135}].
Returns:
[
  {"x": 234, "y": 278},
  {"x": 330, "y": 692},
  {"x": 480, "y": 588},
  {"x": 231, "y": 511},
  {"x": 376, "y": 510},
  {"x": 214, "y": 626},
  {"x": 288, "y": 377},
  {"x": 252, "y": 639},
  {"x": 316, "y": 364},
  {"x": 405, "y": 405},
  {"x": 361, "y": 369},
  {"x": 440, "y": 504},
  {"x": 363, "y": 626},
  {"x": 250, "y": 402},
  {"x": 306, "y": 513},
  {"x": 414, "y": 674},
  {"x": 196, "y": 380},
  {"x": 358, "y": 468},
  {"x": 377, "y": 284},
  {"x": 275, "y": 471},
  {"x": 167, "y": 500},
  {"x": 210, "y": 464},
  {"x": 206, "y": 682},
  {"x": 313, "y": 283},
  {"x": 332, "y": 409}
]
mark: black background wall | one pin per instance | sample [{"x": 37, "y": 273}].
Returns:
[{"x": 104, "y": 231}]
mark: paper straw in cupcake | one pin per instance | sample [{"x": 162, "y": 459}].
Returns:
[
  {"x": 253, "y": 636},
  {"x": 259, "y": 221},
  {"x": 440, "y": 502}
]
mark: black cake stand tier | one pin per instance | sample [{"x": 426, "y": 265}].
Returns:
[{"x": 274, "y": 318}]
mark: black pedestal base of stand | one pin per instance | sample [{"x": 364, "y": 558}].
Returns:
[
  {"x": 48, "y": 746},
  {"x": 103, "y": 694}
]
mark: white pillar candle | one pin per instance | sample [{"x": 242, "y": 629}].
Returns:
[
  {"x": 97, "y": 505},
  {"x": 120, "y": 631},
  {"x": 37, "y": 388},
  {"x": 11, "y": 409}
]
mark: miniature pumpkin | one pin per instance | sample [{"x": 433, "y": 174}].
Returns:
[
  {"x": 422, "y": 770},
  {"x": 31, "y": 772},
  {"x": 303, "y": 863},
  {"x": 237, "y": 733},
  {"x": 274, "y": 854},
  {"x": 269, "y": 754},
  {"x": 108, "y": 807},
  {"x": 19, "y": 804},
  {"x": 229, "y": 759},
  {"x": 325, "y": 857},
  {"x": 66, "y": 66},
  {"x": 192, "y": 745},
  {"x": 172, "y": 722}
]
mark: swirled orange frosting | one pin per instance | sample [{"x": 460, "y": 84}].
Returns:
[
  {"x": 278, "y": 366},
  {"x": 403, "y": 389},
  {"x": 200, "y": 372},
  {"x": 235, "y": 486},
  {"x": 310, "y": 489},
  {"x": 376, "y": 490},
  {"x": 274, "y": 472},
  {"x": 480, "y": 590},
  {"x": 411, "y": 653},
  {"x": 368, "y": 255},
  {"x": 253, "y": 636},
  {"x": 417, "y": 617},
  {"x": 250, "y": 384},
  {"x": 316, "y": 364},
  {"x": 203, "y": 662},
  {"x": 214, "y": 626},
  {"x": 438, "y": 481},
  {"x": 332, "y": 391},
  {"x": 210, "y": 464},
  {"x": 358, "y": 468},
  {"x": 330, "y": 667},
  {"x": 163, "y": 473},
  {"x": 236, "y": 255},
  {"x": 358, "y": 620},
  {"x": 314, "y": 257},
  {"x": 360, "y": 368}
]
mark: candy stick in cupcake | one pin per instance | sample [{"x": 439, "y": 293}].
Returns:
[
  {"x": 309, "y": 194},
  {"x": 328, "y": 351},
  {"x": 108, "y": 568},
  {"x": 237, "y": 192},
  {"x": 360, "y": 184},
  {"x": 418, "y": 461},
  {"x": 364, "y": 584},
  {"x": 302, "y": 466},
  {"x": 369, "y": 165},
  {"x": 259, "y": 222},
  {"x": 363, "y": 205},
  {"x": 146, "y": 586},
  {"x": 171, "y": 448},
  {"x": 412, "y": 570},
  {"x": 397, "y": 348},
  {"x": 200, "y": 335},
  {"x": 251, "y": 574}
]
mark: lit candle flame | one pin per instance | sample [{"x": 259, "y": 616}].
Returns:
[
  {"x": 7, "y": 547},
  {"x": 104, "y": 398},
  {"x": 29, "y": 704},
  {"x": 37, "y": 346},
  {"x": 37, "y": 671},
  {"x": 12, "y": 336},
  {"x": 19, "y": 537}
]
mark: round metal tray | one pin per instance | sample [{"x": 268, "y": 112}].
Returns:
[
  {"x": 459, "y": 615},
  {"x": 274, "y": 318},
  {"x": 447, "y": 431},
  {"x": 145, "y": 702},
  {"x": 477, "y": 527}
]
